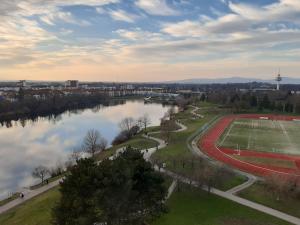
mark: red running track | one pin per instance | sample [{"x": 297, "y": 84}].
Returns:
[{"x": 209, "y": 140}]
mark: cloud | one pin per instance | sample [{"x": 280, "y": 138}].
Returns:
[
  {"x": 122, "y": 15},
  {"x": 156, "y": 7}
]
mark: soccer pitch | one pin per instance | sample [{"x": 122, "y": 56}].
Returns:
[{"x": 262, "y": 135}]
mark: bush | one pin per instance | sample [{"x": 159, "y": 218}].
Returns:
[{"x": 125, "y": 135}]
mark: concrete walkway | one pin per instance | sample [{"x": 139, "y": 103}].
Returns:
[
  {"x": 28, "y": 195},
  {"x": 147, "y": 155},
  {"x": 251, "y": 180}
]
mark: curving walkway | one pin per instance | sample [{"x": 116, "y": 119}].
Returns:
[
  {"x": 147, "y": 155},
  {"x": 32, "y": 193},
  {"x": 28, "y": 195}
]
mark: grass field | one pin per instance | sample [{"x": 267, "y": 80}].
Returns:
[
  {"x": 177, "y": 151},
  {"x": 195, "y": 207},
  {"x": 138, "y": 142},
  {"x": 258, "y": 193},
  {"x": 263, "y": 135},
  {"x": 36, "y": 211}
]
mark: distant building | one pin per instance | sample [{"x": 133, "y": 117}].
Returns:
[{"x": 72, "y": 84}]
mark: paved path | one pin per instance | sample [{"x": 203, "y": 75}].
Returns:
[
  {"x": 28, "y": 195},
  {"x": 251, "y": 180},
  {"x": 229, "y": 196},
  {"x": 147, "y": 154}
]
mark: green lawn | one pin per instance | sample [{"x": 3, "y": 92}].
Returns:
[
  {"x": 177, "y": 149},
  {"x": 178, "y": 157},
  {"x": 263, "y": 135},
  {"x": 196, "y": 207},
  {"x": 259, "y": 194},
  {"x": 36, "y": 211},
  {"x": 13, "y": 197},
  {"x": 138, "y": 142}
]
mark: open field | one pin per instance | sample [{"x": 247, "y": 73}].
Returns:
[
  {"x": 263, "y": 135},
  {"x": 236, "y": 132},
  {"x": 36, "y": 211},
  {"x": 178, "y": 158},
  {"x": 193, "y": 206},
  {"x": 259, "y": 193}
]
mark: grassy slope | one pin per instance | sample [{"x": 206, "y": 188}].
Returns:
[
  {"x": 259, "y": 194},
  {"x": 177, "y": 150},
  {"x": 136, "y": 142},
  {"x": 36, "y": 211},
  {"x": 195, "y": 207},
  {"x": 13, "y": 197}
]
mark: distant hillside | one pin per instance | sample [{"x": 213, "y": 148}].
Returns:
[{"x": 286, "y": 80}]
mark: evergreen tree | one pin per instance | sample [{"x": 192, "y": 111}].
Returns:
[{"x": 124, "y": 191}]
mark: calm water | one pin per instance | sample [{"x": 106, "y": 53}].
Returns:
[{"x": 28, "y": 144}]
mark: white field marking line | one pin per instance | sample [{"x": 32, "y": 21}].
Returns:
[
  {"x": 250, "y": 135},
  {"x": 254, "y": 165},
  {"x": 287, "y": 135},
  {"x": 228, "y": 132}
]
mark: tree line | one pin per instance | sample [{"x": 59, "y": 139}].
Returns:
[{"x": 27, "y": 106}]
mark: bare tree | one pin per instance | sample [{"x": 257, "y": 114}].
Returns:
[
  {"x": 126, "y": 124},
  {"x": 171, "y": 113},
  {"x": 166, "y": 128},
  {"x": 40, "y": 172},
  {"x": 145, "y": 120},
  {"x": 102, "y": 144},
  {"x": 91, "y": 142}
]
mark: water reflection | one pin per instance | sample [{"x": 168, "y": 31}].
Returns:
[{"x": 26, "y": 144}]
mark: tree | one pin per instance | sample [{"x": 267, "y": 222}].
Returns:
[
  {"x": 126, "y": 124},
  {"x": 102, "y": 144},
  {"x": 166, "y": 128},
  {"x": 93, "y": 141},
  {"x": 40, "y": 172},
  {"x": 124, "y": 191},
  {"x": 145, "y": 121}
]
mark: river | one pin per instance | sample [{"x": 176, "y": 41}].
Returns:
[{"x": 25, "y": 145}]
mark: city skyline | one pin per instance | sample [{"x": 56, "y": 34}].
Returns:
[{"x": 142, "y": 40}]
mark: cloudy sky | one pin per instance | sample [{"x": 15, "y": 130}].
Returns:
[{"x": 148, "y": 40}]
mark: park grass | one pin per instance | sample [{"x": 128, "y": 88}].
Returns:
[
  {"x": 232, "y": 182},
  {"x": 36, "y": 211},
  {"x": 9, "y": 199},
  {"x": 268, "y": 161},
  {"x": 137, "y": 142},
  {"x": 263, "y": 135},
  {"x": 177, "y": 156},
  {"x": 51, "y": 179},
  {"x": 191, "y": 206},
  {"x": 258, "y": 193}
]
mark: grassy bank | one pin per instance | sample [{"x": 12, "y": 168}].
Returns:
[
  {"x": 192, "y": 206},
  {"x": 178, "y": 157},
  {"x": 138, "y": 142},
  {"x": 36, "y": 211},
  {"x": 258, "y": 193}
]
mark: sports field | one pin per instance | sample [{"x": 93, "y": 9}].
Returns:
[{"x": 262, "y": 135}]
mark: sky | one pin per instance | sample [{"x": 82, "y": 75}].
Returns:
[{"x": 148, "y": 40}]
